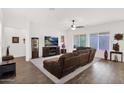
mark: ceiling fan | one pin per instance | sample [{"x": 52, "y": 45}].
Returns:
[{"x": 73, "y": 26}]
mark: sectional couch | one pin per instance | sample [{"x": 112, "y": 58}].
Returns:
[{"x": 68, "y": 62}]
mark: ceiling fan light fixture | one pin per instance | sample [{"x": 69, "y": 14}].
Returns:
[{"x": 73, "y": 28}]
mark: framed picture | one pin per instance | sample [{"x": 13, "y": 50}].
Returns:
[
  {"x": 15, "y": 39},
  {"x": 62, "y": 39}
]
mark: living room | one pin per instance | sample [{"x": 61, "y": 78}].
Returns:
[
  {"x": 34, "y": 37},
  {"x": 82, "y": 39}
]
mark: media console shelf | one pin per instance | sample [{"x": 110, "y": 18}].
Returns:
[
  {"x": 50, "y": 51},
  {"x": 6, "y": 69}
]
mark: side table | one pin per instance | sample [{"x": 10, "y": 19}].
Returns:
[{"x": 116, "y": 52}]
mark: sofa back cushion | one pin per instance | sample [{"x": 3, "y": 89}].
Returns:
[
  {"x": 83, "y": 48},
  {"x": 83, "y": 58},
  {"x": 63, "y": 57},
  {"x": 91, "y": 52},
  {"x": 67, "y": 55},
  {"x": 71, "y": 62},
  {"x": 83, "y": 51},
  {"x": 75, "y": 53}
]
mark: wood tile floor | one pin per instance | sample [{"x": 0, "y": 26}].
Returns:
[
  {"x": 99, "y": 73},
  {"x": 27, "y": 73}
]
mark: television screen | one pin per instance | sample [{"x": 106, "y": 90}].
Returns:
[{"x": 51, "y": 41}]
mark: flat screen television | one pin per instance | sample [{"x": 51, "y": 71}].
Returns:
[{"x": 51, "y": 41}]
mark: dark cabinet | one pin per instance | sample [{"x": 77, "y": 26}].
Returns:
[
  {"x": 6, "y": 69},
  {"x": 63, "y": 51},
  {"x": 50, "y": 51},
  {"x": 35, "y": 47}
]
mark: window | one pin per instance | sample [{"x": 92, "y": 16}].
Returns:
[
  {"x": 76, "y": 41},
  {"x": 103, "y": 41},
  {"x": 94, "y": 41},
  {"x": 79, "y": 41},
  {"x": 100, "y": 41}
]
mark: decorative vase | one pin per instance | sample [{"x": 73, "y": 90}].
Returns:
[
  {"x": 7, "y": 51},
  {"x": 63, "y": 46},
  {"x": 116, "y": 47},
  {"x": 105, "y": 55}
]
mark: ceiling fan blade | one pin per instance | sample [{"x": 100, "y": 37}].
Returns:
[{"x": 79, "y": 26}]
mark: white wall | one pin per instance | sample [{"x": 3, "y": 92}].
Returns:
[
  {"x": 16, "y": 49},
  {"x": 38, "y": 30},
  {"x": 112, "y": 27},
  {"x": 1, "y": 32},
  {"x": 28, "y": 42},
  {"x": 0, "y": 42}
]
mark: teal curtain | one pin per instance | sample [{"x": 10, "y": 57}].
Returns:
[
  {"x": 76, "y": 41},
  {"x": 79, "y": 41},
  {"x": 82, "y": 40}
]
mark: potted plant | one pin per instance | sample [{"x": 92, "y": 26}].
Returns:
[{"x": 7, "y": 51}]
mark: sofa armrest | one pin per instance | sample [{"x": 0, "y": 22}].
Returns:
[
  {"x": 92, "y": 54},
  {"x": 51, "y": 64},
  {"x": 54, "y": 68}
]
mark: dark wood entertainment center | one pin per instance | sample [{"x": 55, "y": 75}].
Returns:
[{"x": 50, "y": 51}]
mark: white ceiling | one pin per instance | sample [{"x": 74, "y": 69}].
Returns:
[{"x": 62, "y": 17}]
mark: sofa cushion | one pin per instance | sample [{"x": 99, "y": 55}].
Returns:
[
  {"x": 75, "y": 53},
  {"x": 83, "y": 58},
  {"x": 83, "y": 48},
  {"x": 67, "y": 55},
  {"x": 83, "y": 51},
  {"x": 63, "y": 57},
  {"x": 52, "y": 59},
  {"x": 71, "y": 61}
]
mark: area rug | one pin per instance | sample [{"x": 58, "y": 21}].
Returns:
[{"x": 39, "y": 64}]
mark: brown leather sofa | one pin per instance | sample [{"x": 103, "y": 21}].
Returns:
[{"x": 68, "y": 62}]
